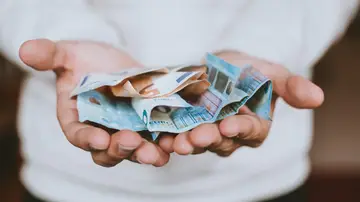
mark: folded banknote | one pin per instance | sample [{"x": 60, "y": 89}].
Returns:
[
  {"x": 145, "y": 82},
  {"x": 157, "y": 85},
  {"x": 97, "y": 80},
  {"x": 230, "y": 88}
]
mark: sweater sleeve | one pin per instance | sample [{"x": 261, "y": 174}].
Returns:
[{"x": 22, "y": 20}]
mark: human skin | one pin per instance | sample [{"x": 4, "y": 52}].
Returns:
[{"x": 72, "y": 59}]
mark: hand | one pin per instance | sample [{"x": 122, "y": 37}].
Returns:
[
  {"x": 70, "y": 60},
  {"x": 245, "y": 128}
]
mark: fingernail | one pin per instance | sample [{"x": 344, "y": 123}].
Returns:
[
  {"x": 138, "y": 160},
  {"x": 233, "y": 135},
  {"x": 125, "y": 148},
  {"x": 92, "y": 148},
  {"x": 187, "y": 147}
]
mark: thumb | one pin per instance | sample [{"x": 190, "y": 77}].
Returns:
[
  {"x": 295, "y": 90},
  {"x": 42, "y": 54},
  {"x": 301, "y": 93}
]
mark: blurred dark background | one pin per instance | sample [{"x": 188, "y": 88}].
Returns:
[{"x": 336, "y": 148}]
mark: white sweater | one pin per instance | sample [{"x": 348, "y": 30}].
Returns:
[{"x": 294, "y": 33}]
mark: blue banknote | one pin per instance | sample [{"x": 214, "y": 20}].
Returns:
[
  {"x": 231, "y": 88},
  {"x": 95, "y": 107}
]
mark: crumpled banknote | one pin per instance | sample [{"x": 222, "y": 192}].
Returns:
[
  {"x": 147, "y": 83},
  {"x": 229, "y": 89}
]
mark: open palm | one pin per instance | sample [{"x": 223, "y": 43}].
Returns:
[
  {"x": 70, "y": 60},
  {"x": 245, "y": 128}
]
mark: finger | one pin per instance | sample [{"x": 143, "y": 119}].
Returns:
[
  {"x": 163, "y": 157},
  {"x": 302, "y": 93},
  {"x": 101, "y": 158},
  {"x": 182, "y": 144},
  {"x": 123, "y": 144},
  {"x": 295, "y": 90},
  {"x": 209, "y": 137},
  {"x": 205, "y": 135},
  {"x": 247, "y": 129},
  {"x": 199, "y": 150},
  {"x": 238, "y": 124},
  {"x": 79, "y": 134},
  {"x": 43, "y": 54},
  {"x": 147, "y": 153},
  {"x": 245, "y": 110},
  {"x": 225, "y": 148},
  {"x": 87, "y": 137},
  {"x": 166, "y": 142}
]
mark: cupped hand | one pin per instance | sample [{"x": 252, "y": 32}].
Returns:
[
  {"x": 70, "y": 60},
  {"x": 245, "y": 128}
]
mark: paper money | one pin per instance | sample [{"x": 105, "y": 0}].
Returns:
[
  {"x": 156, "y": 85},
  {"x": 160, "y": 84},
  {"x": 95, "y": 107},
  {"x": 231, "y": 87},
  {"x": 145, "y": 82},
  {"x": 97, "y": 80}
]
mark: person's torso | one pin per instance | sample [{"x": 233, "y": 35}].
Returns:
[
  {"x": 167, "y": 33},
  {"x": 177, "y": 31}
]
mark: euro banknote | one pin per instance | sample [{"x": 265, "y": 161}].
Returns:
[
  {"x": 230, "y": 88},
  {"x": 145, "y": 82},
  {"x": 156, "y": 85},
  {"x": 96, "y": 80},
  {"x": 97, "y": 108}
]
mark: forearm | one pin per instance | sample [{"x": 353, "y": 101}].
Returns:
[{"x": 22, "y": 20}]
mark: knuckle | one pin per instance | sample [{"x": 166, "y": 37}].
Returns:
[
  {"x": 262, "y": 137},
  {"x": 225, "y": 154},
  {"x": 198, "y": 151},
  {"x": 113, "y": 155},
  {"x": 254, "y": 143},
  {"x": 119, "y": 156},
  {"x": 229, "y": 152},
  {"x": 227, "y": 145},
  {"x": 162, "y": 162},
  {"x": 106, "y": 164},
  {"x": 80, "y": 138},
  {"x": 257, "y": 139},
  {"x": 75, "y": 141},
  {"x": 70, "y": 133},
  {"x": 166, "y": 160},
  {"x": 258, "y": 132}
]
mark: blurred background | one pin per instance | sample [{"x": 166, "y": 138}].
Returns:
[{"x": 336, "y": 145}]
